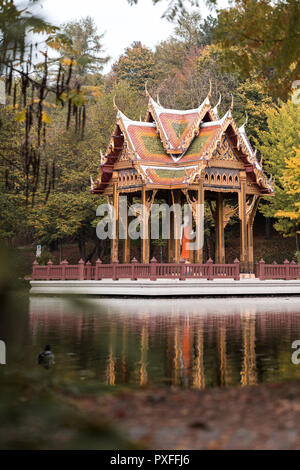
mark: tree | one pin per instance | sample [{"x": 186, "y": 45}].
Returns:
[
  {"x": 129, "y": 101},
  {"x": 69, "y": 214},
  {"x": 251, "y": 98},
  {"x": 194, "y": 32},
  {"x": 291, "y": 181},
  {"x": 175, "y": 7},
  {"x": 12, "y": 217},
  {"x": 208, "y": 27},
  {"x": 279, "y": 143},
  {"x": 136, "y": 66},
  {"x": 85, "y": 46},
  {"x": 16, "y": 23},
  {"x": 170, "y": 57},
  {"x": 209, "y": 66},
  {"x": 184, "y": 88},
  {"x": 261, "y": 39},
  {"x": 30, "y": 87},
  {"x": 184, "y": 75}
]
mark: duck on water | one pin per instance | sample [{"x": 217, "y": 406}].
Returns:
[{"x": 46, "y": 358}]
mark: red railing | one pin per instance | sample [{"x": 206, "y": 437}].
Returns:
[
  {"x": 287, "y": 270},
  {"x": 134, "y": 271},
  {"x": 155, "y": 270}
]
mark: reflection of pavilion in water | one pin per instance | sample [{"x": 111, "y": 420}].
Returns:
[{"x": 194, "y": 349}]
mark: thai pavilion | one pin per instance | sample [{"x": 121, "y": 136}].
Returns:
[{"x": 184, "y": 157}]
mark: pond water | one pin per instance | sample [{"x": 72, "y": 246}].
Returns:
[{"x": 191, "y": 343}]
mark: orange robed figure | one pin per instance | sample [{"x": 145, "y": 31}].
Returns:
[{"x": 186, "y": 238}]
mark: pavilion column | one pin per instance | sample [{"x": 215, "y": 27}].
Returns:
[
  {"x": 177, "y": 227},
  {"x": 126, "y": 249},
  {"x": 171, "y": 252},
  {"x": 243, "y": 218},
  {"x": 250, "y": 223},
  {"x": 250, "y": 243},
  {"x": 115, "y": 239},
  {"x": 200, "y": 224},
  {"x": 191, "y": 252},
  {"x": 123, "y": 229},
  {"x": 126, "y": 241},
  {"x": 145, "y": 229},
  {"x": 220, "y": 241}
]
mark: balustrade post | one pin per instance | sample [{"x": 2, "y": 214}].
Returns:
[
  {"x": 88, "y": 271},
  {"x": 35, "y": 264},
  {"x": 133, "y": 265},
  {"x": 97, "y": 270},
  {"x": 182, "y": 267},
  {"x": 63, "y": 269},
  {"x": 293, "y": 274},
  {"x": 287, "y": 270},
  {"x": 81, "y": 270},
  {"x": 153, "y": 265},
  {"x": 261, "y": 271},
  {"x": 115, "y": 266},
  {"x": 236, "y": 270},
  {"x": 49, "y": 267},
  {"x": 210, "y": 274}
]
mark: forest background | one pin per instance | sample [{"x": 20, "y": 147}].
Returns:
[{"x": 58, "y": 115}]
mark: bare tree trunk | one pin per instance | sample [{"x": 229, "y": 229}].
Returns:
[
  {"x": 91, "y": 254},
  {"x": 81, "y": 246}
]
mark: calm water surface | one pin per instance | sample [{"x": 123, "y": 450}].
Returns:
[{"x": 193, "y": 343}]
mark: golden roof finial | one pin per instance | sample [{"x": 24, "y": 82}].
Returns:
[
  {"x": 232, "y": 103},
  {"x": 246, "y": 122},
  {"x": 261, "y": 161},
  {"x": 215, "y": 109},
  {"x": 146, "y": 90},
  {"x": 210, "y": 89},
  {"x": 157, "y": 99},
  {"x": 114, "y": 102},
  {"x": 103, "y": 158}
]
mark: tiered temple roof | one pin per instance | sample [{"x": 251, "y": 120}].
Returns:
[{"x": 172, "y": 148}]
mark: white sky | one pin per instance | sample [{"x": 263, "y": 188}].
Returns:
[{"x": 121, "y": 22}]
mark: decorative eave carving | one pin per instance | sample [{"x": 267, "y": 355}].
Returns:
[
  {"x": 121, "y": 125},
  {"x": 145, "y": 178},
  {"x": 197, "y": 172}
]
